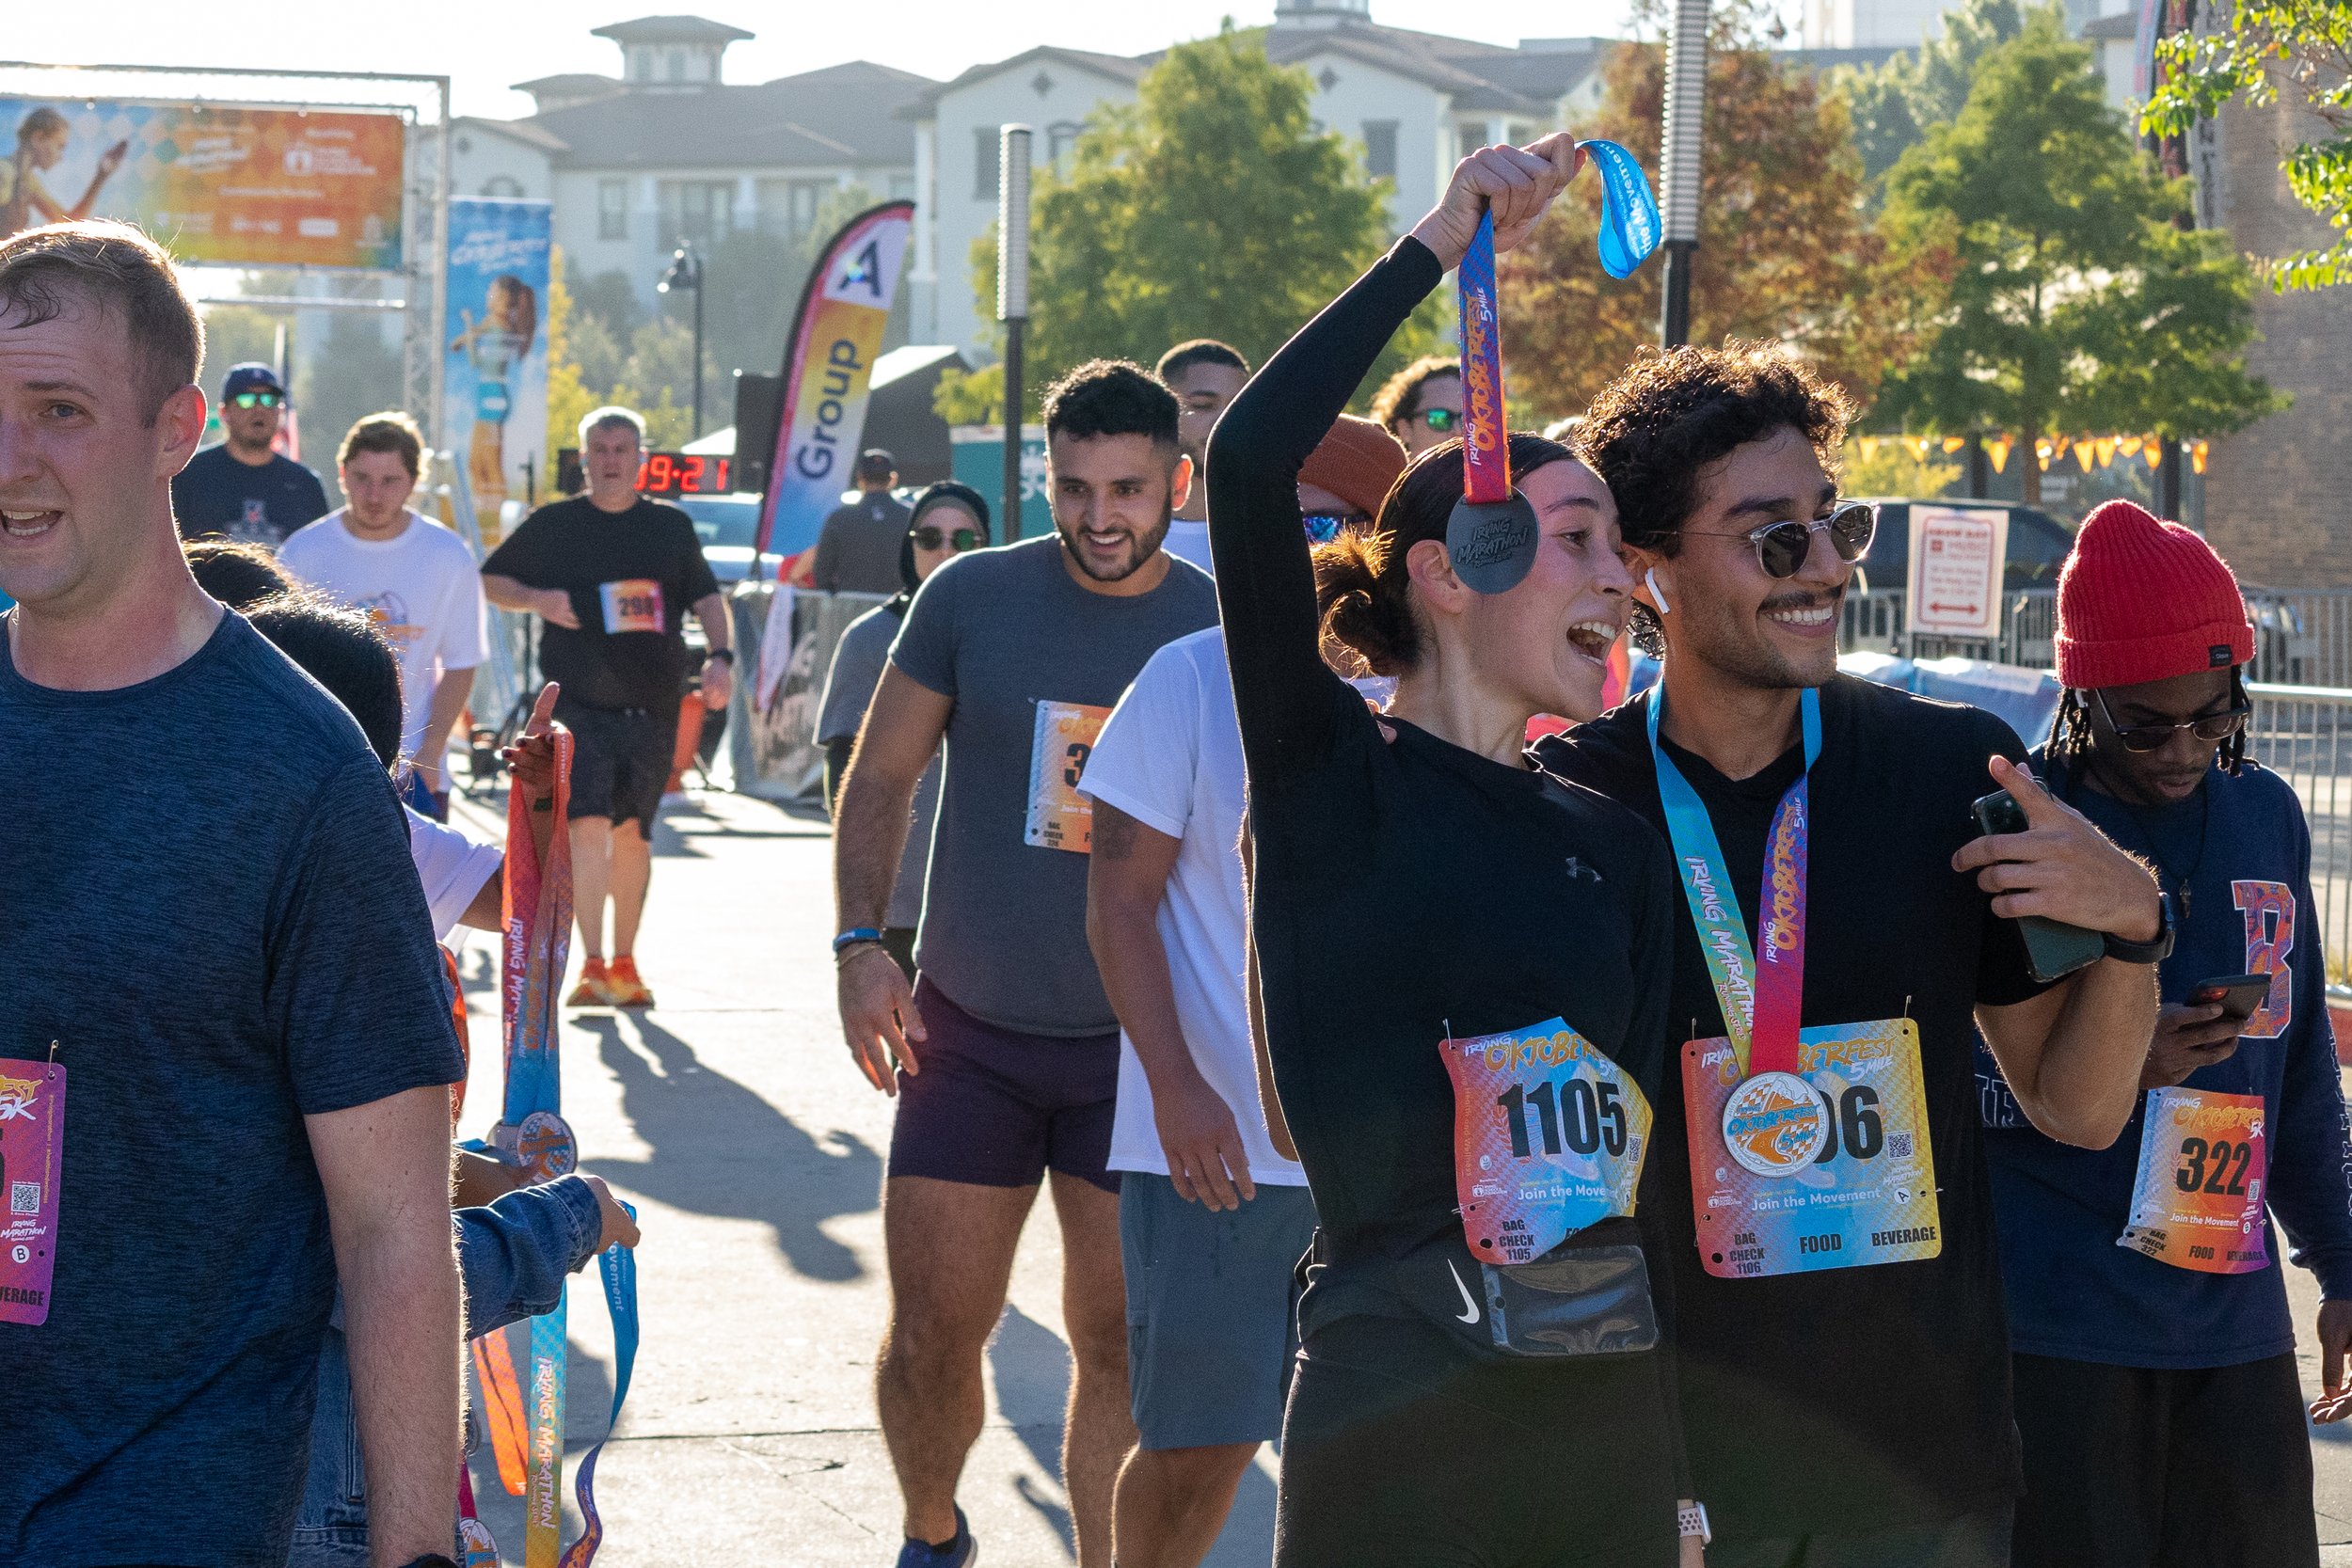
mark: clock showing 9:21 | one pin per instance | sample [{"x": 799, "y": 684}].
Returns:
[{"x": 661, "y": 474}]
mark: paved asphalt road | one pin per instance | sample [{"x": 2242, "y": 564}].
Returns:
[{"x": 731, "y": 1116}]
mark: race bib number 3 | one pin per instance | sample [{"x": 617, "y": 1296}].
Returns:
[
  {"x": 2197, "y": 1201},
  {"x": 633, "y": 604},
  {"x": 1549, "y": 1137},
  {"x": 1826, "y": 1167},
  {"x": 32, "y": 1156},
  {"x": 1060, "y": 817}
]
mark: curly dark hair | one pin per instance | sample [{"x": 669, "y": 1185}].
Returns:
[
  {"x": 1668, "y": 416},
  {"x": 1399, "y": 397},
  {"x": 1111, "y": 397}
]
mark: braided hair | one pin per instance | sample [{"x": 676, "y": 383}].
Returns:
[{"x": 2070, "y": 745}]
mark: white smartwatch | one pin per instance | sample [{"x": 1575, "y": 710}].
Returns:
[{"x": 1692, "y": 1521}]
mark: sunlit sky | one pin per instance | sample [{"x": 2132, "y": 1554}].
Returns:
[{"x": 486, "y": 47}]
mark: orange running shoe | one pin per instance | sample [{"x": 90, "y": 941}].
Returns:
[
  {"x": 622, "y": 986},
  {"x": 595, "y": 988}
]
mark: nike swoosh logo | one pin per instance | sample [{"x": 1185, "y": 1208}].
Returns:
[{"x": 1469, "y": 1313}]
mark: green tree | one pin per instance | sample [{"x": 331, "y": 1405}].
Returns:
[
  {"x": 2263, "y": 46},
  {"x": 1212, "y": 206},
  {"x": 1786, "y": 250},
  {"x": 1892, "y": 104},
  {"x": 2082, "y": 301}
]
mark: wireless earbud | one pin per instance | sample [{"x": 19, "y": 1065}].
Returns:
[{"x": 1650, "y": 580}]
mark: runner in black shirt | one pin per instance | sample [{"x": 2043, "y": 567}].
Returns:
[
  {"x": 1842, "y": 1348},
  {"x": 1417, "y": 888}
]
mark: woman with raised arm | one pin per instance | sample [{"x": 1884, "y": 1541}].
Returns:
[{"x": 1463, "y": 969}]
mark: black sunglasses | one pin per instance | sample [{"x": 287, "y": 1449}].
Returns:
[
  {"x": 1442, "y": 420},
  {"x": 2148, "y": 738},
  {"x": 257, "y": 399},
  {"x": 1781, "y": 547},
  {"x": 928, "y": 537}
]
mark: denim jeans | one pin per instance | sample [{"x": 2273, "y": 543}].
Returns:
[{"x": 513, "y": 1256}]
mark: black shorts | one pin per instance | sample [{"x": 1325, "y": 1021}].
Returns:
[
  {"x": 620, "y": 759},
  {"x": 998, "y": 1108},
  {"x": 2131, "y": 1467},
  {"x": 1401, "y": 1450}
]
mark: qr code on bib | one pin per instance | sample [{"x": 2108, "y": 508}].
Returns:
[
  {"x": 24, "y": 1198},
  {"x": 1899, "y": 1146}
]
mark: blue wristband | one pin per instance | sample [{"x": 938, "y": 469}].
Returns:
[{"x": 850, "y": 939}]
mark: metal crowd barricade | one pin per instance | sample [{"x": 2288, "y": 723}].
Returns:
[
  {"x": 2304, "y": 735},
  {"x": 772, "y": 732}
]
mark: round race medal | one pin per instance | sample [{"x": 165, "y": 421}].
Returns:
[
  {"x": 547, "y": 1146},
  {"x": 1774, "y": 1124},
  {"x": 475, "y": 1536},
  {"x": 1492, "y": 543}
]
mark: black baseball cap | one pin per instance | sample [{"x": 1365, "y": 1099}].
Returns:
[
  {"x": 251, "y": 377},
  {"x": 874, "y": 462}
]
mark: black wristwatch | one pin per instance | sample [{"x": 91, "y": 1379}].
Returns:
[
  {"x": 2146, "y": 952},
  {"x": 728, "y": 653}
]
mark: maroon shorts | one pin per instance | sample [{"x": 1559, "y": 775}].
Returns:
[{"x": 998, "y": 1108}]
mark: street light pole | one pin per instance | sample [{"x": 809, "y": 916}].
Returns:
[
  {"x": 686, "y": 272},
  {"x": 1012, "y": 297},
  {"x": 1686, "y": 118}
]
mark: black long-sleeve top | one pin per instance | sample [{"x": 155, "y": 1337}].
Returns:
[{"x": 1410, "y": 889}]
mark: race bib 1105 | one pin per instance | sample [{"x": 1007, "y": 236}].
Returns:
[
  {"x": 1060, "y": 817},
  {"x": 2197, "y": 1201},
  {"x": 1548, "y": 1138},
  {"x": 32, "y": 1159},
  {"x": 1826, "y": 1167}
]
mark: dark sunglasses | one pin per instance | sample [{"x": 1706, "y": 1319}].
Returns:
[
  {"x": 258, "y": 400},
  {"x": 928, "y": 537},
  {"x": 1442, "y": 420},
  {"x": 1324, "y": 527},
  {"x": 1781, "y": 547},
  {"x": 2148, "y": 738}
]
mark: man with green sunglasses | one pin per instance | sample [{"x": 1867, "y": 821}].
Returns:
[{"x": 242, "y": 488}]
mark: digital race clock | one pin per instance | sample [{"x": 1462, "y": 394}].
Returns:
[{"x": 661, "y": 474}]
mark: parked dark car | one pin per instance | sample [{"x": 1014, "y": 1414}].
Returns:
[{"x": 2038, "y": 542}]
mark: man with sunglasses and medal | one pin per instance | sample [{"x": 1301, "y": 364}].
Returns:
[
  {"x": 242, "y": 490},
  {"x": 1843, "y": 1351},
  {"x": 2154, "y": 1358}
]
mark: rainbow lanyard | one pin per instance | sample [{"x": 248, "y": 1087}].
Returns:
[
  {"x": 1759, "y": 999},
  {"x": 1486, "y": 455}
]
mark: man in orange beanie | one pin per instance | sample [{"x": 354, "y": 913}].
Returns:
[
  {"x": 1212, "y": 1220},
  {"x": 2155, "y": 1365}
]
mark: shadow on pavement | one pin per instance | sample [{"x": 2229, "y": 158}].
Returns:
[
  {"x": 719, "y": 1149},
  {"x": 1032, "y": 1367}
]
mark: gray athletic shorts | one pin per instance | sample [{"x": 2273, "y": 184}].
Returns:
[{"x": 1209, "y": 1327}]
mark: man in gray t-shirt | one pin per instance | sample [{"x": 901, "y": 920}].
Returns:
[{"x": 1005, "y": 1055}]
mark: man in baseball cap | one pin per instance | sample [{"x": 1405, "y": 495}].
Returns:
[
  {"x": 2154, "y": 1363},
  {"x": 857, "y": 548},
  {"x": 242, "y": 490}
]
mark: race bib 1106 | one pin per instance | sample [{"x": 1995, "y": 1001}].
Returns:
[
  {"x": 32, "y": 1159},
  {"x": 1826, "y": 1167},
  {"x": 1060, "y": 817},
  {"x": 1548, "y": 1138},
  {"x": 2197, "y": 1201},
  {"x": 633, "y": 604}
]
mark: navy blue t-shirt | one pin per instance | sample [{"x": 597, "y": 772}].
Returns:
[
  {"x": 258, "y": 504},
  {"x": 206, "y": 900},
  {"x": 2243, "y": 851}
]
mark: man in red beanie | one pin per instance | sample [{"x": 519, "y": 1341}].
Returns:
[
  {"x": 2155, "y": 1378},
  {"x": 1212, "y": 1219}
]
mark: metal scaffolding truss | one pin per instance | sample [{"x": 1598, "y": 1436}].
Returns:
[{"x": 423, "y": 102}]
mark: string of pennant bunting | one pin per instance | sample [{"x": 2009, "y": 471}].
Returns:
[{"x": 2087, "y": 451}]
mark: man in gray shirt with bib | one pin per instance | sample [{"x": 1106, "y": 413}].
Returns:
[{"x": 1005, "y": 1054}]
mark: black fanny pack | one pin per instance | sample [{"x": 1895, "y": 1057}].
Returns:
[{"x": 1590, "y": 1295}]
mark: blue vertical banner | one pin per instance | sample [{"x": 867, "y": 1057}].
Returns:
[{"x": 494, "y": 381}]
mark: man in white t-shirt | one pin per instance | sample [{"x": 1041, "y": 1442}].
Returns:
[
  {"x": 414, "y": 578},
  {"x": 1205, "y": 375}
]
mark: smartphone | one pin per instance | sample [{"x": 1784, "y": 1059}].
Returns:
[
  {"x": 2054, "y": 949},
  {"x": 2239, "y": 995}
]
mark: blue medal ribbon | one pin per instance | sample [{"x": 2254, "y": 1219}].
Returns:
[
  {"x": 1630, "y": 225},
  {"x": 617, "y": 1266}
]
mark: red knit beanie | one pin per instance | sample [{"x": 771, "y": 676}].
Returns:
[{"x": 2139, "y": 600}]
